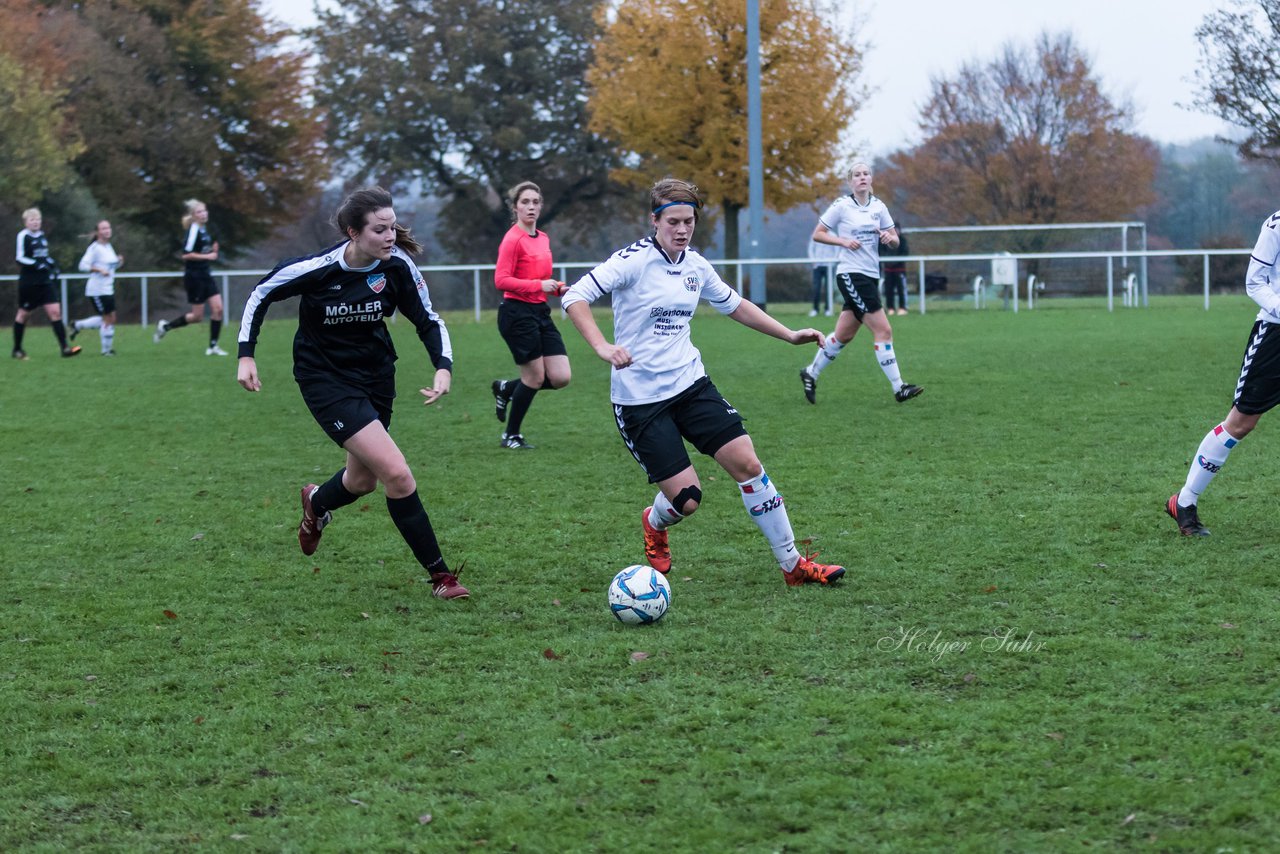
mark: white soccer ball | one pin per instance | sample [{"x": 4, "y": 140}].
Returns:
[{"x": 639, "y": 594}]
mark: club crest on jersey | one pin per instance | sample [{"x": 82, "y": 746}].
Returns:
[
  {"x": 691, "y": 283},
  {"x": 376, "y": 282}
]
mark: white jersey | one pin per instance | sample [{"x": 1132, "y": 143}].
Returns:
[
  {"x": 847, "y": 218},
  {"x": 100, "y": 255},
  {"x": 654, "y": 297},
  {"x": 1261, "y": 281}
]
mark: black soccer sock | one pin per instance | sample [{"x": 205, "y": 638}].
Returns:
[
  {"x": 18, "y": 330},
  {"x": 411, "y": 518},
  {"x": 60, "y": 332},
  {"x": 520, "y": 400},
  {"x": 177, "y": 322},
  {"x": 215, "y": 329},
  {"x": 332, "y": 495}
]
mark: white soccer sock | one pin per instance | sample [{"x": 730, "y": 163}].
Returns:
[
  {"x": 826, "y": 355},
  {"x": 88, "y": 323},
  {"x": 664, "y": 514},
  {"x": 888, "y": 360},
  {"x": 766, "y": 509},
  {"x": 108, "y": 334},
  {"x": 1210, "y": 457}
]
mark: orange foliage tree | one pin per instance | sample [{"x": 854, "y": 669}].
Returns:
[
  {"x": 669, "y": 87},
  {"x": 1030, "y": 138}
]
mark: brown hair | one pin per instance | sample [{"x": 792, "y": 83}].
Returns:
[
  {"x": 355, "y": 210},
  {"x": 673, "y": 190},
  {"x": 513, "y": 195}
]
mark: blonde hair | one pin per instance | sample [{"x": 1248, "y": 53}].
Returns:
[
  {"x": 189, "y": 216},
  {"x": 30, "y": 212}
]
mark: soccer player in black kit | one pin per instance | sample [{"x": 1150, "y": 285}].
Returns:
[
  {"x": 344, "y": 364},
  {"x": 199, "y": 250}
]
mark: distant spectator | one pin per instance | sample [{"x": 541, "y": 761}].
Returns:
[
  {"x": 199, "y": 251},
  {"x": 37, "y": 284},
  {"x": 823, "y": 257},
  {"x": 100, "y": 261},
  {"x": 895, "y": 277}
]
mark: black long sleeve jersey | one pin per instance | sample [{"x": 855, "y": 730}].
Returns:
[
  {"x": 341, "y": 334},
  {"x": 35, "y": 267}
]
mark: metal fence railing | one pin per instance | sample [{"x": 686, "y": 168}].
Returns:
[{"x": 1134, "y": 274}]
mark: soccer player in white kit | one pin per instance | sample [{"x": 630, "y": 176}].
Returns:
[
  {"x": 660, "y": 391},
  {"x": 1257, "y": 390},
  {"x": 858, "y": 223},
  {"x": 100, "y": 261}
]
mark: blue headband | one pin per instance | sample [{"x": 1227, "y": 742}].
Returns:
[{"x": 660, "y": 208}]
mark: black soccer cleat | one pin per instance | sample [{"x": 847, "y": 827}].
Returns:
[
  {"x": 907, "y": 392},
  {"x": 810, "y": 383},
  {"x": 515, "y": 443},
  {"x": 1187, "y": 518},
  {"x": 69, "y": 351},
  {"x": 501, "y": 399}
]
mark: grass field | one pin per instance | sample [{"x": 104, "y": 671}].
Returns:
[{"x": 1024, "y": 656}]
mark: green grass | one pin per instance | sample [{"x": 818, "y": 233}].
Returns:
[{"x": 175, "y": 674}]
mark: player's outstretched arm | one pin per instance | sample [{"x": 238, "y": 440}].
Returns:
[
  {"x": 580, "y": 314},
  {"x": 752, "y": 316}
]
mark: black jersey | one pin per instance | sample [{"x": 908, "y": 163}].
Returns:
[
  {"x": 35, "y": 266},
  {"x": 198, "y": 240},
  {"x": 341, "y": 333}
]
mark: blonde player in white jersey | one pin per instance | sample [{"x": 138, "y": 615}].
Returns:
[
  {"x": 661, "y": 393},
  {"x": 100, "y": 261},
  {"x": 858, "y": 223},
  {"x": 1257, "y": 389}
]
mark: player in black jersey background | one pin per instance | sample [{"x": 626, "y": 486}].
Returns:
[
  {"x": 344, "y": 364},
  {"x": 37, "y": 284},
  {"x": 199, "y": 251}
]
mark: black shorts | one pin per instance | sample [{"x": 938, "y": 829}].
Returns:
[
  {"x": 528, "y": 330},
  {"x": 200, "y": 286},
  {"x": 33, "y": 296},
  {"x": 1258, "y": 389},
  {"x": 343, "y": 410},
  {"x": 105, "y": 304},
  {"x": 861, "y": 293},
  {"x": 654, "y": 432}
]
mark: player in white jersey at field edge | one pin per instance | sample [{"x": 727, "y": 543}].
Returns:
[
  {"x": 345, "y": 365},
  {"x": 660, "y": 391},
  {"x": 858, "y": 223},
  {"x": 1257, "y": 389},
  {"x": 100, "y": 261}
]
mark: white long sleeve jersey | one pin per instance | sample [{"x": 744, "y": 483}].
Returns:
[
  {"x": 1261, "y": 282},
  {"x": 654, "y": 297},
  {"x": 100, "y": 255}
]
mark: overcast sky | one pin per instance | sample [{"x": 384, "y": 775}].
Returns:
[{"x": 1144, "y": 50}]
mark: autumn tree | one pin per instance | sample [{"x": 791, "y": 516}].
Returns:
[
  {"x": 465, "y": 99},
  {"x": 38, "y": 141},
  {"x": 1239, "y": 76},
  {"x": 1029, "y": 137},
  {"x": 669, "y": 87},
  {"x": 179, "y": 98}
]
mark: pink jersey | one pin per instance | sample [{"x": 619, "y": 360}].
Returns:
[{"x": 524, "y": 262}]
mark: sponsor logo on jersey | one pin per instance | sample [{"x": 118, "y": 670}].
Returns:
[
  {"x": 376, "y": 282},
  {"x": 659, "y": 311},
  {"x": 1212, "y": 468},
  {"x": 691, "y": 284}
]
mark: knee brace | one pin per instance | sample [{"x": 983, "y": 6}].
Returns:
[{"x": 689, "y": 493}]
